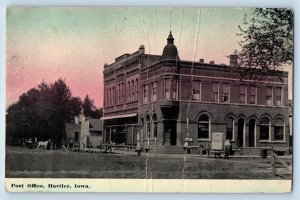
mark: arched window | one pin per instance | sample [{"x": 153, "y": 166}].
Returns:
[
  {"x": 251, "y": 132},
  {"x": 123, "y": 93},
  {"x": 148, "y": 126},
  {"x": 264, "y": 128},
  {"x": 137, "y": 87},
  {"x": 119, "y": 93},
  {"x": 109, "y": 97},
  {"x": 203, "y": 127},
  {"x": 142, "y": 126},
  {"x": 106, "y": 97},
  {"x": 132, "y": 90},
  {"x": 229, "y": 128},
  {"x": 113, "y": 97},
  {"x": 154, "y": 121},
  {"x": 279, "y": 129},
  {"x": 128, "y": 90}
]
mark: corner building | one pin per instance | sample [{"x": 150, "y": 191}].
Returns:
[{"x": 170, "y": 100}]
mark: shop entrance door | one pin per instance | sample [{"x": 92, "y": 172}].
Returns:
[{"x": 170, "y": 133}]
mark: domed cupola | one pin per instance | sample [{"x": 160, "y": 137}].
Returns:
[{"x": 170, "y": 51}]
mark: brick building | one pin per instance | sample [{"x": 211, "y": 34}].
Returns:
[{"x": 169, "y": 100}]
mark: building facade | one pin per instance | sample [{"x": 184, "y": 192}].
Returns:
[
  {"x": 91, "y": 133},
  {"x": 85, "y": 132},
  {"x": 171, "y": 100}
]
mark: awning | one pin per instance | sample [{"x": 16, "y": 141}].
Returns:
[{"x": 119, "y": 116}]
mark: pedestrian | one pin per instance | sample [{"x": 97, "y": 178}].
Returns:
[
  {"x": 227, "y": 145},
  {"x": 208, "y": 150},
  {"x": 186, "y": 147}
]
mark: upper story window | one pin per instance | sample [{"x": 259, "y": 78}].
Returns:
[
  {"x": 174, "y": 89},
  {"x": 277, "y": 96},
  {"x": 113, "y": 96},
  {"x": 167, "y": 88},
  {"x": 119, "y": 93},
  {"x": 123, "y": 93},
  {"x": 154, "y": 91},
  {"x": 137, "y": 87},
  {"x": 145, "y": 93},
  {"x": 242, "y": 94},
  {"x": 252, "y": 95},
  {"x": 132, "y": 90},
  {"x": 105, "y": 97},
  {"x": 128, "y": 91},
  {"x": 109, "y": 97},
  {"x": 269, "y": 96},
  {"x": 196, "y": 90},
  {"x": 225, "y": 93},
  {"x": 215, "y": 92}
]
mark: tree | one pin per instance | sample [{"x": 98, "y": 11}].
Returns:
[
  {"x": 89, "y": 108},
  {"x": 267, "y": 41},
  {"x": 42, "y": 112},
  {"x": 75, "y": 106}
]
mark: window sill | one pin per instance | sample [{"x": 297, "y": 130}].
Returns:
[
  {"x": 265, "y": 141},
  {"x": 279, "y": 141},
  {"x": 274, "y": 141},
  {"x": 151, "y": 139},
  {"x": 203, "y": 140}
]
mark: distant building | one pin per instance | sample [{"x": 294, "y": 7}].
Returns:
[
  {"x": 85, "y": 133},
  {"x": 72, "y": 131},
  {"x": 169, "y": 100},
  {"x": 91, "y": 133}
]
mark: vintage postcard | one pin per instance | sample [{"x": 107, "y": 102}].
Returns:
[{"x": 127, "y": 99}]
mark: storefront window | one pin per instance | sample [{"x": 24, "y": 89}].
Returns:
[
  {"x": 203, "y": 127},
  {"x": 279, "y": 129},
  {"x": 148, "y": 126},
  {"x": 229, "y": 128},
  {"x": 264, "y": 127},
  {"x": 154, "y": 121}
]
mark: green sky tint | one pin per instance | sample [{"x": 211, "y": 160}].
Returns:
[{"x": 74, "y": 43}]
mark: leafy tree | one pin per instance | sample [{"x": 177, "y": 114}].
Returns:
[
  {"x": 267, "y": 41},
  {"x": 75, "y": 106},
  {"x": 89, "y": 108},
  {"x": 42, "y": 112}
]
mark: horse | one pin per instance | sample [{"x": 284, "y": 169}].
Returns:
[{"x": 43, "y": 144}]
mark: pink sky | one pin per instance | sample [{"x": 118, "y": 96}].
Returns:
[{"x": 75, "y": 43}]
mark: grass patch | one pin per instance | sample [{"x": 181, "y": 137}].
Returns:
[{"x": 30, "y": 163}]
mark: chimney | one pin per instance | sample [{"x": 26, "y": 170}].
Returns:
[
  {"x": 212, "y": 62},
  {"x": 201, "y": 60},
  {"x": 233, "y": 60}
]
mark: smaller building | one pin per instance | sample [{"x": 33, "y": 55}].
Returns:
[
  {"x": 72, "y": 131},
  {"x": 91, "y": 133}
]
